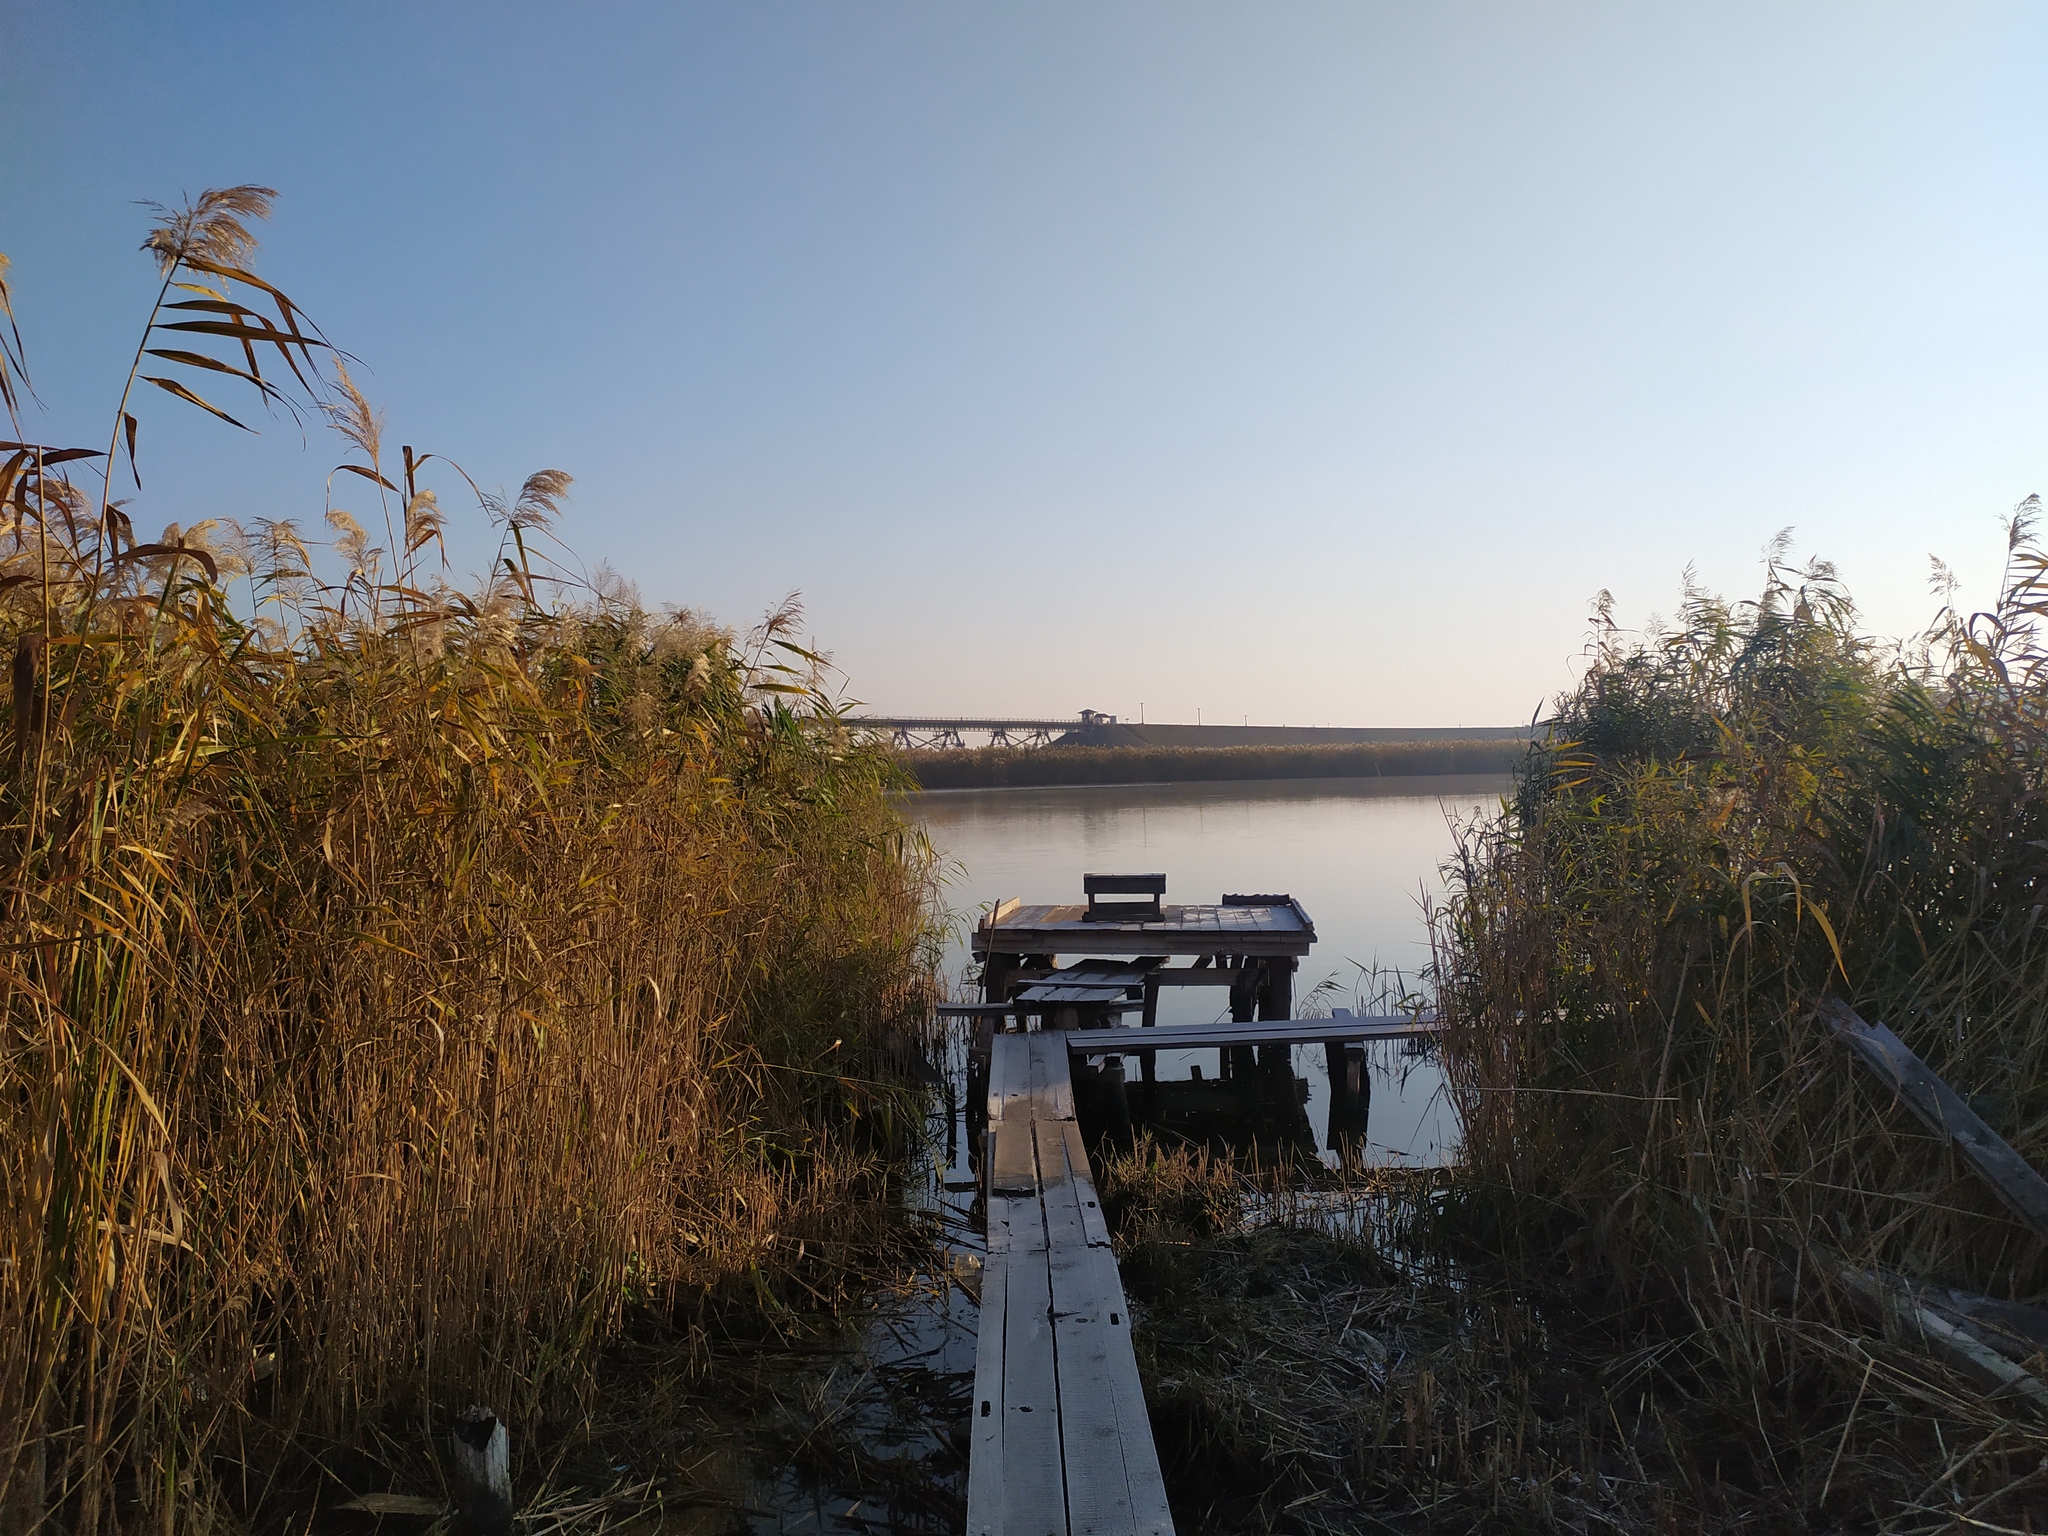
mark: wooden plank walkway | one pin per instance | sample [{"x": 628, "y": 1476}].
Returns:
[{"x": 1061, "y": 1445}]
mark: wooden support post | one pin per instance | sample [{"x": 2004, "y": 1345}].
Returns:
[
  {"x": 1149, "y": 1019},
  {"x": 1276, "y": 994},
  {"x": 1240, "y": 1061},
  {"x": 482, "y": 1468},
  {"x": 977, "y": 1090},
  {"x": 1275, "y": 985},
  {"x": 1116, "y": 1104},
  {"x": 1350, "y": 1098},
  {"x": 995, "y": 978}
]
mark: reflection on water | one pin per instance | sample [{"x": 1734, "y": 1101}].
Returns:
[{"x": 1360, "y": 854}]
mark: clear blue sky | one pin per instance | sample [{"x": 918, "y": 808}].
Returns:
[{"x": 1315, "y": 363}]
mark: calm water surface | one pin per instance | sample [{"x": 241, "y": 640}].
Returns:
[{"x": 1360, "y": 854}]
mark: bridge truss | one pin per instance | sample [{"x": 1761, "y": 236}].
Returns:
[{"x": 925, "y": 733}]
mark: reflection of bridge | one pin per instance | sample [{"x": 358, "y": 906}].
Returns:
[{"x": 927, "y": 733}]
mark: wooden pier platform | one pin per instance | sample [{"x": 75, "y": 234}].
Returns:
[{"x": 1061, "y": 1445}]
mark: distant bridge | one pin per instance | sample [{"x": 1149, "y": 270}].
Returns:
[
  {"x": 1092, "y": 728},
  {"x": 929, "y": 733}
]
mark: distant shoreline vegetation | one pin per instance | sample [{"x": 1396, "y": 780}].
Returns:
[{"x": 1031, "y": 767}]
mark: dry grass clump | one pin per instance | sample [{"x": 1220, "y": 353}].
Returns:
[
  {"x": 402, "y": 985},
  {"x": 1727, "y": 824},
  {"x": 1318, "y": 1362}
]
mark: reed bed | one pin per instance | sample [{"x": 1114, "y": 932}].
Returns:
[
  {"x": 1682, "y": 1278},
  {"x": 1334, "y": 1358},
  {"x": 1021, "y": 767},
  {"x": 1727, "y": 824},
  {"x": 406, "y": 987}
]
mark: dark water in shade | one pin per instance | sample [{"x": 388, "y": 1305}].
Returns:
[{"x": 1360, "y": 854}]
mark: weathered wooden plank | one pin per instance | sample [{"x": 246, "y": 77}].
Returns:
[
  {"x": 1052, "y": 1079},
  {"x": 1085, "y": 1291},
  {"x": 1956, "y": 1345},
  {"x": 1014, "y": 1168},
  {"x": 1034, "y": 1489},
  {"x": 1058, "y": 1192},
  {"x": 1190, "y": 1037},
  {"x": 1059, "y": 1441},
  {"x": 1943, "y": 1111},
  {"x": 1040, "y": 993},
  {"x": 1094, "y": 1225},
  {"x": 985, "y": 1424},
  {"x": 1150, "y": 1514},
  {"x": 1009, "y": 1075},
  {"x": 1016, "y": 1224}
]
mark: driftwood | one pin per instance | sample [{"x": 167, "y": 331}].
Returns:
[
  {"x": 1954, "y": 1341},
  {"x": 1943, "y": 1111},
  {"x": 482, "y": 1468}
]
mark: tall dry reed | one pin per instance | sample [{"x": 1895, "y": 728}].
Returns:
[
  {"x": 1727, "y": 824},
  {"x": 402, "y": 984}
]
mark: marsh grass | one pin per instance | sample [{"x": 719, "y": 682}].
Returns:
[
  {"x": 406, "y": 987},
  {"x": 1648, "y": 1298},
  {"x": 1727, "y": 824},
  {"x": 1321, "y": 1360}
]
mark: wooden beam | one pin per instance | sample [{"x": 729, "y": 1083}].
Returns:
[
  {"x": 985, "y": 1423},
  {"x": 1060, "y": 1440},
  {"x": 1944, "y": 1112},
  {"x": 1196, "y": 1037}
]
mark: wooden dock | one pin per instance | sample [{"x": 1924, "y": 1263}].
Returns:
[{"x": 1061, "y": 1445}]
